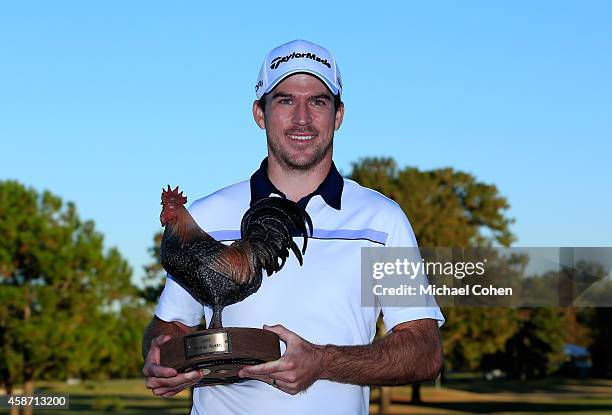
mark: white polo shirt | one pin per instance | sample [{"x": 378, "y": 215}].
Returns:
[{"x": 320, "y": 301}]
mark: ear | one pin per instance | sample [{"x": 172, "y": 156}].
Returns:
[
  {"x": 339, "y": 116},
  {"x": 258, "y": 115}
]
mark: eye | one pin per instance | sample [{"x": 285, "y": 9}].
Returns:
[
  {"x": 285, "y": 101},
  {"x": 319, "y": 102}
]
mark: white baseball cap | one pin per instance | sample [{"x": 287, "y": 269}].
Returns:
[{"x": 298, "y": 56}]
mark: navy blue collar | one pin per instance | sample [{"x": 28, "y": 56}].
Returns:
[{"x": 330, "y": 189}]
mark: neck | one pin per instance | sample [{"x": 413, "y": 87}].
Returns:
[
  {"x": 296, "y": 184},
  {"x": 185, "y": 227}
]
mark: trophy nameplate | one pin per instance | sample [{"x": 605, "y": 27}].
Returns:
[{"x": 206, "y": 344}]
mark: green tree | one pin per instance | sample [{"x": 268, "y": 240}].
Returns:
[
  {"x": 599, "y": 322},
  {"x": 445, "y": 207},
  {"x": 453, "y": 209},
  {"x": 536, "y": 349},
  {"x": 63, "y": 297},
  {"x": 448, "y": 208},
  {"x": 155, "y": 275},
  {"x": 596, "y": 319}
]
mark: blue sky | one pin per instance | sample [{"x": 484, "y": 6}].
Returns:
[{"x": 104, "y": 103}]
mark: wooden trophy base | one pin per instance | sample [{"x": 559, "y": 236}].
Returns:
[{"x": 220, "y": 353}]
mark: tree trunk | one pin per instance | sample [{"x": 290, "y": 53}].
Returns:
[
  {"x": 191, "y": 390},
  {"x": 416, "y": 393},
  {"x": 385, "y": 400},
  {"x": 14, "y": 410},
  {"x": 28, "y": 390},
  {"x": 28, "y": 375}
]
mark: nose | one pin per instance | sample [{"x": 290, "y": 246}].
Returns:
[{"x": 301, "y": 114}]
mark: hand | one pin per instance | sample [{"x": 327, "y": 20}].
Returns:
[
  {"x": 297, "y": 369},
  {"x": 165, "y": 381}
]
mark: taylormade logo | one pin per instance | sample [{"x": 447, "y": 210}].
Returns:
[{"x": 295, "y": 55}]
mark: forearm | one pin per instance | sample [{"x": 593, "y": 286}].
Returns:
[
  {"x": 411, "y": 353},
  {"x": 158, "y": 327}
]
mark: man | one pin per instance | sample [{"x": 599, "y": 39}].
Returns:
[{"x": 317, "y": 308}]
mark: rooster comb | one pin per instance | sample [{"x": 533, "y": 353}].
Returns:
[{"x": 170, "y": 196}]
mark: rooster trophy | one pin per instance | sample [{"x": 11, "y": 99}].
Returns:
[{"x": 218, "y": 275}]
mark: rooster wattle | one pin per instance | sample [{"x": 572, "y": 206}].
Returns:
[{"x": 219, "y": 275}]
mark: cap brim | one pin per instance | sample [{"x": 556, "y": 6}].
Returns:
[{"x": 334, "y": 90}]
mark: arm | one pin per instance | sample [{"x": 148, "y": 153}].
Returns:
[
  {"x": 164, "y": 381},
  {"x": 410, "y": 353}
]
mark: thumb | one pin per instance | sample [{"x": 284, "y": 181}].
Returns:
[
  {"x": 284, "y": 334},
  {"x": 153, "y": 354},
  {"x": 159, "y": 340}
]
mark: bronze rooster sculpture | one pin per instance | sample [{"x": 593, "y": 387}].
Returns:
[{"x": 219, "y": 275}]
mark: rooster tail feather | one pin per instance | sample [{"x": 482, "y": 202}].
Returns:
[
  {"x": 311, "y": 229},
  {"x": 283, "y": 260},
  {"x": 268, "y": 226},
  {"x": 297, "y": 252}
]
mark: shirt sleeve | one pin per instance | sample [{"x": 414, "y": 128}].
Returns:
[
  {"x": 176, "y": 304},
  {"x": 401, "y": 235}
]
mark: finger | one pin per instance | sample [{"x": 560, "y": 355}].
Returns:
[
  {"x": 264, "y": 369},
  {"x": 268, "y": 381},
  {"x": 166, "y": 392},
  {"x": 155, "y": 370},
  {"x": 288, "y": 377},
  {"x": 284, "y": 334},
  {"x": 169, "y": 393},
  {"x": 157, "y": 383},
  {"x": 171, "y": 382},
  {"x": 179, "y": 388},
  {"x": 286, "y": 387},
  {"x": 152, "y": 366}
]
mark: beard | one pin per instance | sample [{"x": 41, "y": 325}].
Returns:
[{"x": 303, "y": 162}]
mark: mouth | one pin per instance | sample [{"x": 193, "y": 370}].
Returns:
[{"x": 301, "y": 136}]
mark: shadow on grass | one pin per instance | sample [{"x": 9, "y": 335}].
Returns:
[
  {"x": 495, "y": 407},
  {"x": 550, "y": 385}
]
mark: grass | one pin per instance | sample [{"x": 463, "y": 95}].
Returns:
[
  {"x": 477, "y": 396},
  {"x": 115, "y": 396},
  {"x": 459, "y": 396}
]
